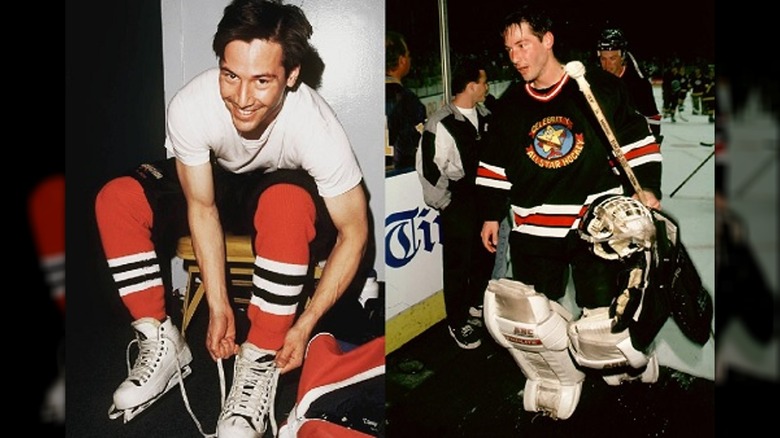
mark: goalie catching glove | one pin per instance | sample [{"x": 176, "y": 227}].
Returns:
[{"x": 621, "y": 228}]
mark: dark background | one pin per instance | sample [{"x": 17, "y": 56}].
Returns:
[
  {"x": 32, "y": 152},
  {"x": 663, "y": 29},
  {"x": 115, "y": 113},
  {"x": 35, "y": 327}
]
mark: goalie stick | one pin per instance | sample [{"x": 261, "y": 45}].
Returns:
[{"x": 576, "y": 70}]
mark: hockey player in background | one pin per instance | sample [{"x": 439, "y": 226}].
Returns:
[
  {"x": 682, "y": 93},
  {"x": 614, "y": 57},
  {"x": 708, "y": 96},
  {"x": 698, "y": 86},
  {"x": 671, "y": 87}
]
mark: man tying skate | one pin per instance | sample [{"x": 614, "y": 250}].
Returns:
[{"x": 256, "y": 151}]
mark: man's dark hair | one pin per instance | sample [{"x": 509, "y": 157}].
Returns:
[
  {"x": 537, "y": 19},
  {"x": 247, "y": 20},
  {"x": 464, "y": 72},
  {"x": 395, "y": 47}
]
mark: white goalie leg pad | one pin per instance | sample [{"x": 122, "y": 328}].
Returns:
[
  {"x": 593, "y": 345},
  {"x": 534, "y": 330}
]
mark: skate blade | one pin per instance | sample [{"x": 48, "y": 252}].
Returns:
[{"x": 129, "y": 414}]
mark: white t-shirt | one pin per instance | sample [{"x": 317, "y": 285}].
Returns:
[
  {"x": 305, "y": 135},
  {"x": 470, "y": 114}
]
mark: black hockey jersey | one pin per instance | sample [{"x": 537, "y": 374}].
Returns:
[
  {"x": 640, "y": 91},
  {"x": 548, "y": 156}
]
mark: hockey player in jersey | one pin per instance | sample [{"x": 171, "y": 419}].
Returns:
[
  {"x": 614, "y": 57},
  {"x": 447, "y": 166},
  {"x": 255, "y": 151},
  {"x": 548, "y": 160}
]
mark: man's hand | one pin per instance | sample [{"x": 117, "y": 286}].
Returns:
[
  {"x": 489, "y": 235},
  {"x": 650, "y": 200},
  {"x": 221, "y": 335},
  {"x": 208, "y": 241},
  {"x": 291, "y": 355},
  {"x": 349, "y": 214}
]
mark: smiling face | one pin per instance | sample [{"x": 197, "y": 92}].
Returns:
[{"x": 252, "y": 83}]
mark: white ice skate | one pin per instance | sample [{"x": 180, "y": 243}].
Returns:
[
  {"x": 53, "y": 409},
  {"x": 253, "y": 393},
  {"x": 162, "y": 362}
]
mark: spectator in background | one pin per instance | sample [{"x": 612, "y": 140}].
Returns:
[
  {"x": 447, "y": 165},
  {"x": 404, "y": 112}
]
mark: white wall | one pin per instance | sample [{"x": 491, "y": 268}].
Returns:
[{"x": 349, "y": 36}]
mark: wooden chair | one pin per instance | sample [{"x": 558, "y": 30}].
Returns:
[{"x": 240, "y": 268}]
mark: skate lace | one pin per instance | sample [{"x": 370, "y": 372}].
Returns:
[
  {"x": 186, "y": 399},
  {"x": 253, "y": 393},
  {"x": 150, "y": 352}
]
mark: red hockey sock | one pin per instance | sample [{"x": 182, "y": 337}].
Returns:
[
  {"x": 46, "y": 212},
  {"x": 124, "y": 220},
  {"x": 284, "y": 219}
]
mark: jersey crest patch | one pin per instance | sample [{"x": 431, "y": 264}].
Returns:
[{"x": 553, "y": 144}]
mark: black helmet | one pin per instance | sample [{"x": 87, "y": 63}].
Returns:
[{"x": 612, "y": 39}]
